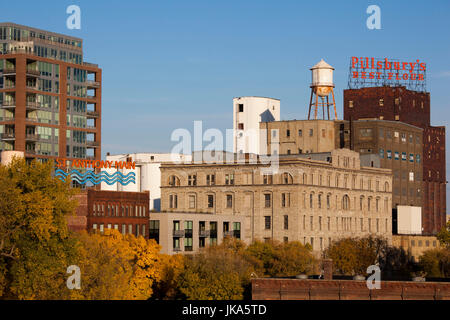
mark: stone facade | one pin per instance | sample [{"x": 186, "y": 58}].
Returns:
[
  {"x": 305, "y": 200},
  {"x": 416, "y": 245}
]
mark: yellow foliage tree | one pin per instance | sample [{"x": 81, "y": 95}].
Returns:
[{"x": 116, "y": 267}]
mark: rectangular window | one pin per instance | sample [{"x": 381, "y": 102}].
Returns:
[
  {"x": 267, "y": 201},
  {"x": 229, "y": 179},
  {"x": 191, "y": 202},
  {"x": 267, "y": 179},
  {"x": 396, "y": 155},
  {"x": 403, "y": 156},
  {"x": 382, "y": 153},
  {"x": 267, "y": 223},
  {"x": 229, "y": 201},
  {"x": 192, "y": 180},
  {"x": 210, "y": 201},
  {"x": 300, "y": 133},
  {"x": 210, "y": 180},
  {"x": 389, "y": 154},
  {"x": 286, "y": 222}
]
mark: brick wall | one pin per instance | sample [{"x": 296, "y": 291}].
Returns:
[{"x": 295, "y": 289}]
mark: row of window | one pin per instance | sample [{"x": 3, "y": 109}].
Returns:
[
  {"x": 397, "y": 156},
  {"x": 286, "y": 178},
  {"x": 116, "y": 210},
  {"x": 342, "y": 224},
  {"x": 343, "y": 204},
  {"x": 139, "y": 229}
]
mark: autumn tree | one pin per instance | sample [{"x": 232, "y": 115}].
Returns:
[
  {"x": 171, "y": 267},
  {"x": 284, "y": 259},
  {"x": 116, "y": 267},
  {"x": 35, "y": 244},
  {"x": 218, "y": 272},
  {"x": 352, "y": 256}
]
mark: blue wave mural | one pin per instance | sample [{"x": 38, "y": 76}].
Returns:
[{"x": 91, "y": 176}]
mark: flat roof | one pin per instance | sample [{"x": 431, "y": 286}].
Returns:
[{"x": 11, "y": 24}]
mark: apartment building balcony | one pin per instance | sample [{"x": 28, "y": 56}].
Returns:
[
  {"x": 91, "y": 127},
  {"x": 9, "y": 71},
  {"x": 93, "y": 114},
  {"x": 92, "y": 84},
  {"x": 8, "y": 105},
  {"x": 203, "y": 233},
  {"x": 178, "y": 233},
  {"x": 92, "y": 144},
  {"x": 6, "y": 118},
  {"x": 33, "y": 73},
  {"x": 8, "y": 136},
  {"x": 228, "y": 233},
  {"x": 32, "y": 137},
  {"x": 32, "y": 105},
  {"x": 9, "y": 86},
  {"x": 32, "y": 87},
  {"x": 30, "y": 151},
  {"x": 34, "y": 120},
  {"x": 91, "y": 97}
]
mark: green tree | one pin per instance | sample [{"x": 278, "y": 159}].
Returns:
[
  {"x": 436, "y": 263},
  {"x": 444, "y": 235},
  {"x": 35, "y": 244}
]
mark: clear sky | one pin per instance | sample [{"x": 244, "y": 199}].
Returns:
[{"x": 168, "y": 63}]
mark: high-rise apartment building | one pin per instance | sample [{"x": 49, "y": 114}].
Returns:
[{"x": 50, "y": 98}]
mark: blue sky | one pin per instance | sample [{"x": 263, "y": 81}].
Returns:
[{"x": 168, "y": 63}]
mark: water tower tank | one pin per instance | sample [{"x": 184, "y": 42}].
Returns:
[{"x": 322, "y": 78}]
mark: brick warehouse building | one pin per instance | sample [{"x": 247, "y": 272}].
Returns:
[
  {"x": 412, "y": 107},
  {"x": 50, "y": 99},
  {"x": 124, "y": 211}
]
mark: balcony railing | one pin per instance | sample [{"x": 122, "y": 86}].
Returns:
[
  {"x": 228, "y": 233},
  {"x": 91, "y": 97},
  {"x": 32, "y": 87},
  {"x": 11, "y": 104},
  {"x": 178, "y": 233},
  {"x": 9, "y": 86},
  {"x": 8, "y": 136},
  {"x": 32, "y": 136},
  {"x": 91, "y": 127},
  {"x": 7, "y": 71},
  {"x": 35, "y": 73},
  {"x": 32, "y": 105},
  {"x": 6, "y": 118},
  {"x": 203, "y": 233},
  {"x": 93, "y": 114},
  {"x": 32, "y": 119},
  {"x": 93, "y": 84},
  {"x": 30, "y": 152},
  {"x": 93, "y": 144}
]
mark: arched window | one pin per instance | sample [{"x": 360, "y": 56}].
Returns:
[
  {"x": 311, "y": 200},
  {"x": 174, "y": 181},
  {"x": 369, "y": 201},
  {"x": 287, "y": 178},
  {"x": 319, "y": 201},
  {"x": 304, "y": 178},
  {"x": 386, "y": 186},
  {"x": 361, "y": 203},
  {"x": 328, "y": 201},
  {"x": 345, "y": 202}
]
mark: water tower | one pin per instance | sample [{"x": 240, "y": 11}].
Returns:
[{"x": 321, "y": 87}]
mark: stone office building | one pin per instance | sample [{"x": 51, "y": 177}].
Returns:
[{"x": 306, "y": 200}]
